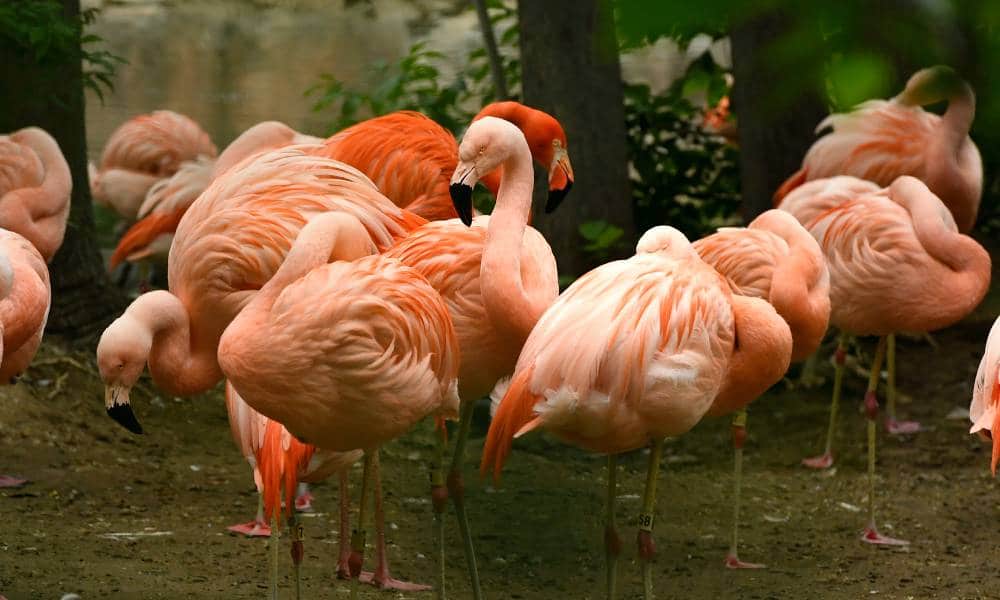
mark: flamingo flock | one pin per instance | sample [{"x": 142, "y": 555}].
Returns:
[{"x": 346, "y": 289}]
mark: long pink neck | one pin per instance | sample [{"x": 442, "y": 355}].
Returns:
[
  {"x": 957, "y": 119},
  {"x": 176, "y": 366},
  {"x": 504, "y": 296}
]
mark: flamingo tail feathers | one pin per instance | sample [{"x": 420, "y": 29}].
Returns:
[{"x": 515, "y": 414}]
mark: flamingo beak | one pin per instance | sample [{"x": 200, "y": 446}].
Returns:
[
  {"x": 117, "y": 404},
  {"x": 462, "y": 182},
  {"x": 560, "y": 179}
]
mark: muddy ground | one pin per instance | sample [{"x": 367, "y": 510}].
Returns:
[{"x": 539, "y": 534}]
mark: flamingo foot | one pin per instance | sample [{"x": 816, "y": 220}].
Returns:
[
  {"x": 251, "y": 529},
  {"x": 11, "y": 482},
  {"x": 733, "y": 562},
  {"x": 388, "y": 583},
  {"x": 894, "y": 427},
  {"x": 824, "y": 461},
  {"x": 872, "y": 536},
  {"x": 303, "y": 502}
]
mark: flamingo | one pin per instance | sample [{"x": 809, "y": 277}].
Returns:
[
  {"x": 229, "y": 244},
  {"x": 883, "y": 139},
  {"x": 25, "y": 295},
  {"x": 632, "y": 352},
  {"x": 496, "y": 274},
  {"x": 897, "y": 263},
  {"x": 776, "y": 259},
  {"x": 143, "y": 150},
  {"x": 149, "y": 238},
  {"x": 35, "y": 188},
  {"x": 985, "y": 408},
  {"x": 411, "y": 158},
  {"x": 365, "y": 349}
]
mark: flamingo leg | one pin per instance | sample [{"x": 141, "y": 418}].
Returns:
[
  {"x": 809, "y": 378},
  {"x": 11, "y": 482},
  {"x": 644, "y": 539},
  {"x": 358, "y": 536},
  {"x": 256, "y": 528},
  {"x": 871, "y": 534},
  {"x": 303, "y": 498},
  {"x": 439, "y": 500},
  {"x": 825, "y": 460},
  {"x": 295, "y": 529},
  {"x": 275, "y": 537},
  {"x": 612, "y": 541},
  {"x": 456, "y": 491},
  {"x": 381, "y": 577},
  {"x": 739, "y": 434},
  {"x": 893, "y": 426}
]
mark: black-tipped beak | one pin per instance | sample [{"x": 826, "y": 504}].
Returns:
[
  {"x": 556, "y": 197},
  {"x": 125, "y": 417},
  {"x": 461, "y": 197}
]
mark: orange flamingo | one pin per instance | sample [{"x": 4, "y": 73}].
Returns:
[
  {"x": 897, "y": 263},
  {"x": 166, "y": 202},
  {"x": 142, "y": 151},
  {"x": 776, "y": 259},
  {"x": 632, "y": 352},
  {"x": 24, "y": 307},
  {"x": 497, "y": 276},
  {"x": 411, "y": 158},
  {"x": 883, "y": 139},
  {"x": 35, "y": 187},
  {"x": 985, "y": 408},
  {"x": 367, "y": 349},
  {"x": 229, "y": 244}
]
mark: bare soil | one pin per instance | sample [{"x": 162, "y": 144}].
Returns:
[{"x": 539, "y": 535}]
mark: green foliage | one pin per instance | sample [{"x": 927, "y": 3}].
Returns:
[
  {"x": 602, "y": 238},
  {"x": 46, "y": 36},
  {"x": 682, "y": 175}
]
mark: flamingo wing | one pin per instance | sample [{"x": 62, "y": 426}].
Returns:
[
  {"x": 156, "y": 143},
  {"x": 746, "y": 258},
  {"x": 985, "y": 408}
]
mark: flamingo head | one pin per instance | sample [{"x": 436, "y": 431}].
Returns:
[
  {"x": 121, "y": 358},
  {"x": 485, "y": 146}
]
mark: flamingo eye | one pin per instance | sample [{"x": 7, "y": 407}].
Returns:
[
  {"x": 482, "y": 149},
  {"x": 556, "y": 143}
]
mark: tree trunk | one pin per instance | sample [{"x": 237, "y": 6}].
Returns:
[
  {"x": 773, "y": 141},
  {"x": 570, "y": 68},
  {"x": 492, "y": 52},
  {"x": 50, "y": 96}
]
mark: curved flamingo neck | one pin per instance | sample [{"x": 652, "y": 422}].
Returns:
[
  {"x": 957, "y": 119},
  {"x": 504, "y": 296},
  {"x": 176, "y": 366}
]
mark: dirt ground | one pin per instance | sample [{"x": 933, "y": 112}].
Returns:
[{"x": 539, "y": 535}]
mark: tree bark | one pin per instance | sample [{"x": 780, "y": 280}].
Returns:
[
  {"x": 773, "y": 141},
  {"x": 50, "y": 96},
  {"x": 570, "y": 68},
  {"x": 492, "y": 52}
]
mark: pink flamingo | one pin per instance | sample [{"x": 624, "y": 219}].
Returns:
[
  {"x": 985, "y": 408},
  {"x": 229, "y": 244},
  {"x": 143, "y": 150},
  {"x": 777, "y": 260},
  {"x": 149, "y": 238},
  {"x": 35, "y": 188},
  {"x": 496, "y": 274},
  {"x": 897, "y": 263},
  {"x": 24, "y": 307},
  {"x": 366, "y": 349},
  {"x": 883, "y": 139},
  {"x": 632, "y": 352}
]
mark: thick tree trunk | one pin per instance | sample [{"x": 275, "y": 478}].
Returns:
[
  {"x": 50, "y": 96},
  {"x": 570, "y": 68},
  {"x": 773, "y": 140}
]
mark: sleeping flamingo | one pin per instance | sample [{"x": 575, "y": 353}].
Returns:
[
  {"x": 632, "y": 352},
  {"x": 497, "y": 276},
  {"x": 35, "y": 187},
  {"x": 411, "y": 158},
  {"x": 775, "y": 259},
  {"x": 367, "y": 349},
  {"x": 24, "y": 308},
  {"x": 149, "y": 238},
  {"x": 883, "y": 139},
  {"x": 985, "y": 408},
  {"x": 143, "y": 150},
  {"x": 897, "y": 263}
]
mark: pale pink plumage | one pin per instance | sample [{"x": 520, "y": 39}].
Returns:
[
  {"x": 35, "y": 188},
  {"x": 24, "y": 302},
  {"x": 985, "y": 408}
]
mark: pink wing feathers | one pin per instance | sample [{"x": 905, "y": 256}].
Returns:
[{"x": 985, "y": 408}]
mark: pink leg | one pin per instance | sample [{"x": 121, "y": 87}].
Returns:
[
  {"x": 303, "y": 501},
  {"x": 344, "y": 558},
  {"x": 256, "y": 528},
  {"x": 381, "y": 578},
  {"x": 825, "y": 460},
  {"x": 11, "y": 482}
]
